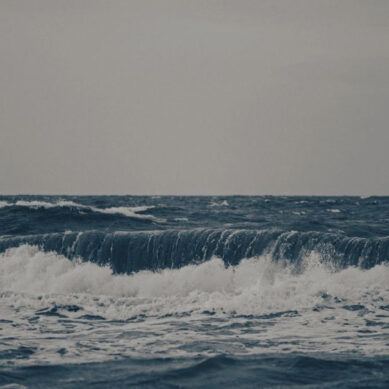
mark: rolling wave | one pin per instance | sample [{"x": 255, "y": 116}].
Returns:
[
  {"x": 132, "y": 251},
  {"x": 132, "y": 212}
]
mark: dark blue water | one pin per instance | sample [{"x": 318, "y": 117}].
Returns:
[{"x": 194, "y": 291}]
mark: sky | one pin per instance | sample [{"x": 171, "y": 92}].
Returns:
[{"x": 194, "y": 97}]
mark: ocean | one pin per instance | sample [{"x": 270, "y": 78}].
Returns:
[{"x": 194, "y": 292}]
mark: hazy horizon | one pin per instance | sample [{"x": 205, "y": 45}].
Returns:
[
  {"x": 185, "y": 195},
  {"x": 194, "y": 97}
]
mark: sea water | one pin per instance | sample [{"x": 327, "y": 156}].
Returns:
[{"x": 168, "y": 292}]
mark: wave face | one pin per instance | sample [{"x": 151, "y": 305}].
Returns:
[
  {"x": 194, "y": 290},
  {"x": 128, "y": 252}
]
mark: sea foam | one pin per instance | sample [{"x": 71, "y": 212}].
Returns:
[
  {"x": 255, "y": 286},
  {"x": 131, "y": 212}
]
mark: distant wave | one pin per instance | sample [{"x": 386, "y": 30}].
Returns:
[
  {"x": 181, "y": 219},
  {"x": 41, "y": 204},
  {"x": 333, "y": 210},
  {"x": 223, "y": 203},
  {"x": 128, "y": 211},
  {"x": 131, "y": 212}
]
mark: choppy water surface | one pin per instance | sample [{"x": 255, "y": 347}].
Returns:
[{"x": 120, "y": 291}]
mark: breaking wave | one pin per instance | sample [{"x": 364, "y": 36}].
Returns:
[
  {"x": 132, "y": 251},
  {"x": 255, "y": 286},
  {"x": 132, "y": 212}
]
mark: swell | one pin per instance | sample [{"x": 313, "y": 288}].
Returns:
[
  {"x": 65, "y": 206},
  {"x": 128, "y": 252}
]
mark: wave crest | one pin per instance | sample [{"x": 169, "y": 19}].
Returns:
[
  {"x": 132, "y": 251},
  {"x": 132, "y": 212}
]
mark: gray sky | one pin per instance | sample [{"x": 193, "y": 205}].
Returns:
[{"x": 194, "y": 97}]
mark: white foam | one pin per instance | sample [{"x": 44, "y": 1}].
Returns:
[
  {"x": 254, "y": 286},
  {"x": 223, "y": 203},
  {"x": 45, "y": 204},
  {"x": 126, "y": 211},
  {"x": 333, "y": 210},
  {"x": 299, "y": 213},
  {"x": 163, "y": 313},
  {"x": 181, "y": 219}
]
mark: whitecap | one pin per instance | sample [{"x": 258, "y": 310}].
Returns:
[
  {"x": 223, "y": 203},
  {"x": 125, "y": 211},
  {"x": 333, "y": 210}
]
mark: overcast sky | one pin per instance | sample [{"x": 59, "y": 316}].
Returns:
[{"x": 194, "y": 97}]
